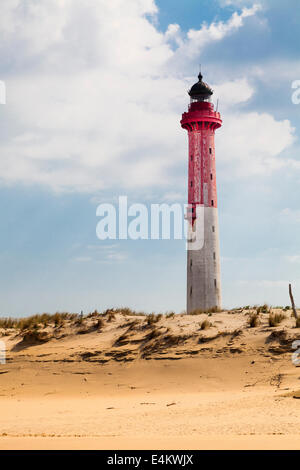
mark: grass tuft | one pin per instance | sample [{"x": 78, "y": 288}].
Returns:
[
  {"x": 210, "y": 310},
  {"x": 263, "y": 309},
  {"x": 170, "y": 315},
  {"x": 152, "y": 319},
  {"x": 276, "y": 318},
  {"x": 254, "y": 320},
  {"x": 99, "y": 324},
  {"x": 205, "y": 325}
]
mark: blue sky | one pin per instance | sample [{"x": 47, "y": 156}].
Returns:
[{"x": 94, "y": 98}]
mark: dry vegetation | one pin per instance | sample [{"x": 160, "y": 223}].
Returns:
[
  {"x": 205, "y": 325},
  {"x": 147, "y": 335},
  {"x": 33, "y": 321},
  {"x": 276, "y": 318},
  {"x": 254, "y": 320},
  {"x": 209, "y": 311},
  {"x": 263, "y": 309}
]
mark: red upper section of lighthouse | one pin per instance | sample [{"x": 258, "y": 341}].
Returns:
[
  {"x": 201, "y": 121},
  {"x": 201, "y": 113}
]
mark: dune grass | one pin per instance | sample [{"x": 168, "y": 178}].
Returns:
[
  {"x": 205, "y": 325},
  {"x": 254, "y": 320},
  {"x": 32, "y": 321},
  {"x": 276, "y": 318},
  {"x": 201, "y": 312}
]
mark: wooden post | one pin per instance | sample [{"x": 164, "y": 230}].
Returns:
[{"x": 293, "y": 302}]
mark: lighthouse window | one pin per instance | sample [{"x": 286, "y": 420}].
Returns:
[
  {"x": 191, "y": 184},
  {"x": 214, "y": 256},
  {"x": 213, "y": 228},
  {"x": 191, "y": 264},
  {"x": 191, "y": 158},
  {"x": 212, "y": 202},
  {"x": 215, "y": 282},
  {"x": 210, "y": 150},
  {"x": 211, "y": 176},
  {"x": 191, "y": 291}
]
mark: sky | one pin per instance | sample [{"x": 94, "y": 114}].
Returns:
[{"x": 94, "y": 96}]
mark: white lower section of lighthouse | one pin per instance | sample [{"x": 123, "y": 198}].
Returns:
[{"x": 203, "y": 264}]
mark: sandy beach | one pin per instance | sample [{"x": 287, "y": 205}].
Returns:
[{"x": 168, "y": 384}]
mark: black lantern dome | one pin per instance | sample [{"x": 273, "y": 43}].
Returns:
[{"x": 201, "y": 91}]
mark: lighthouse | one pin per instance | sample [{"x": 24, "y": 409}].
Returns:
[{"x": 203, "y": 260}]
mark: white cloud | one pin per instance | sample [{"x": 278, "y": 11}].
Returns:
[
  {"x": 232, "y": 93},
  {"x": 117, "y": 256},
  {"x": 290, "y": 215},
  {"x": 101, "y": 253},
  {"x": 236, "y": 3},
  {"x": 251, "y": 143},
  {"x": 295, "y": 259},
  {"x": 191, "y": 45},
  {"x": 217, "y": 31},
  {"x": 95, "y": 92},
  {"x": 173, "y": 196}
]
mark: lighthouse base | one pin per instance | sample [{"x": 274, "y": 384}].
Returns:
[{"x": 203, "y": 267}]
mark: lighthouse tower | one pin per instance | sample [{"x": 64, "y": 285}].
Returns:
[{"x": 203, "y": 262}]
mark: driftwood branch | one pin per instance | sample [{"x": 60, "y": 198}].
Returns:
[{"x": 293, "y": 302}]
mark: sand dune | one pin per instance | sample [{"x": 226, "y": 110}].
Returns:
[{"x": 120, "y": 381}]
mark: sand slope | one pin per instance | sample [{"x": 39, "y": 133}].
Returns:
[{"x": 128, "y": 384}]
